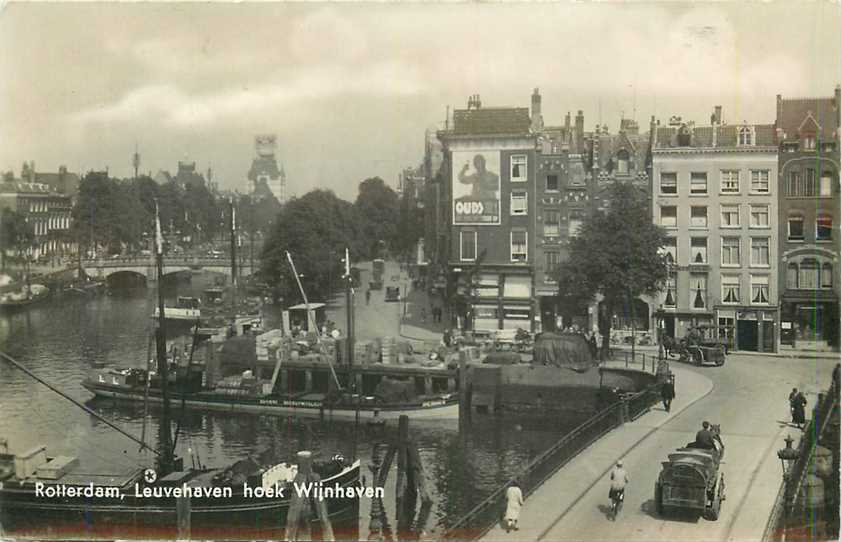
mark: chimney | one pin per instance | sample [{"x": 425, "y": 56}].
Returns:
[
  {"x": 566, "y": 122},
  {"x": 536, "y": 115},
  {"x": 579, "y": 131}
]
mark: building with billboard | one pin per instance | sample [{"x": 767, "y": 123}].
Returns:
[{"x": 488, "y": 175}]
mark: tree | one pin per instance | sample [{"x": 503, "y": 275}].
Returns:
[
  {"x": 315, "y": 229},
  {"x": 615, "y": 254},
  {"x": 16, "y": 235},
  {"x": 378, "y": 209}
]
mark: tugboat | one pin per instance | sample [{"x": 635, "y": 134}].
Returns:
[{"x": 49, "y": 496}]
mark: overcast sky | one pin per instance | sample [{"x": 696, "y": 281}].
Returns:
[{"x": 350, "y": 89}]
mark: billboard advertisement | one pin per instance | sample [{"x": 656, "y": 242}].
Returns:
[{"x": 476, "y": 188}]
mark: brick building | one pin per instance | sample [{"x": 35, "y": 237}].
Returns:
[
  {"x": 809, "y": 216},
  {"x": 48, "y": 211},
  {"x": 487, "y": 190},
  {"x": 715, "y": 192}
]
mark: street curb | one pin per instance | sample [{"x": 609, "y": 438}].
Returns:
[{"x": 604, "y": 473}]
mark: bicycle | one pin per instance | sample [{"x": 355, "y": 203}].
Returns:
[{"x": 617, "y": 497}]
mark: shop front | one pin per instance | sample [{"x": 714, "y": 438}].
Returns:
[
  {"x": 810, "y": 323},
  {"x": 751, "y": 329}
]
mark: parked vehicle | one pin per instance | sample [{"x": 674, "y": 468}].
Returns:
[{"x": 392, "y": 293}]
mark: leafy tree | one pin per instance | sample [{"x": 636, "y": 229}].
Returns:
[
  {"x": 16, "y": 235},
  {"x": 616, "y": 254},
  {"x": 315, "y": 229},
  {"x": 378, "y": 209}
]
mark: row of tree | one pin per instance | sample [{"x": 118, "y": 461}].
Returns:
[{"x": 317, "y": 228}]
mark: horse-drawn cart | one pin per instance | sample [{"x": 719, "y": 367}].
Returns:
[{"x": 691, "y": 480}]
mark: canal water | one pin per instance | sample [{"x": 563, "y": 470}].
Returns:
[{"x": 63, "y": 339}]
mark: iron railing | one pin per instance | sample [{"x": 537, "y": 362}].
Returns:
[
  {"x": 482, "y": 517},
  {"x": 790, "y": 511}
]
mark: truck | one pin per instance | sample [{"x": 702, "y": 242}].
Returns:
[
  {"x": 377, "y": 278},
  {"x": 691, "y": 480}
]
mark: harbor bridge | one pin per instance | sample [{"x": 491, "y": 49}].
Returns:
[{"x": 102, "y": 268}]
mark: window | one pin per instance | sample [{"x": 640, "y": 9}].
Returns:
[
  {"x": 759, "y": 292},
  {"x": 729, "y": 216},
  {"x": 792, "y": 276},
  {"x": 699, "y": 217},
  {"x": 552, "y": 183},
  {"x": 759, "y": 216},
  {"x": 668, "y": 183},
  {"x": 730, "y": 251},
  {"x": 808, "y": 275},
  {"x": 668, "y": 216},
  {"x": 519, "y": 246},
  {"x": 795, "y": 228},
  {"x": 729, "y": 289},
  {"x": 698, "y": 183},
  {"x": 518, "y": 168},
  {"x": 699, "y": 250},
  {"x": 698, "y": 291},
  {"x": 468, "y": 245},
  {"x": 746, "y": 135},
  {"x": 760, "y": 181},
  {"x": 760, "y": 251},
  {"x": 574, "y": 223},
  {"x": 519, "y": 202},
  {"x": 553, "y": 261},
  {"x": 729, "y": 181},
  {"x": 826, "y": 185},
  {"x": 794, "y": 185},
  {"x": 823, "y": 228},
  {"x": 811, "y": 184},
  {"x": 551, "y": 223},
  {"x": 670, "y": 250},
  {"x": 826, "y": 275},
  {"x": 671, "y": 296},
  {"x": 809, "y": 143}
]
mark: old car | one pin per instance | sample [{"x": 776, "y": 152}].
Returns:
[
  {"x": 692, "y": 481},
  {"x": 392, "y": 293},
  {"x": 699, "y": 346}
]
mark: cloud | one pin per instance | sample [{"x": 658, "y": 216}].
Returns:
[{"x": 177, "y": 108}]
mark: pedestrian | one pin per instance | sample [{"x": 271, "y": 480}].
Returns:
[
  {"x": 836, "y": 376},
  {"x": 667, "y": 393},
  {"x": 367, "y": 297},
  {"x": 423, "y": 314},
  {"x": 514, "y": 503},
  {"x": 797, "y": 403},
  {"x": 594, "y": 348},
  {"x": 448, "y": 338}
]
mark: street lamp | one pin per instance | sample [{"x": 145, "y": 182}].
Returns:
[{"x": 788, "y": 456}]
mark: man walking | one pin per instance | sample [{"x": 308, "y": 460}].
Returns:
[
  {"x": 667, "y": 393},
  {"x": 797, "y": 404}
]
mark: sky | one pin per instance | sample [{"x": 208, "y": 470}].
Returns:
[{"x": 350, "y": 88}]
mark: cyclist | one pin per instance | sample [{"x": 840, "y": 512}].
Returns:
[{"x": 618, "y": 481}]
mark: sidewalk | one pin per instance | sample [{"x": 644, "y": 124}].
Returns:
[
  {"x": 545, "y": 508},
  {"x": 789, "y": 354},
  {"x": 413, "y": 325}
]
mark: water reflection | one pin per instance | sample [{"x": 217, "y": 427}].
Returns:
[{"x": 64, "y": 339}]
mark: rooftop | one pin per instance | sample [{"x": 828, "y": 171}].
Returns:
[
  {"x": 815, "y": 115},
  {"x": 491, "y": 120}
]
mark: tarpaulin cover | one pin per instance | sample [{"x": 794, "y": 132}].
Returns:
[
  {"x": 567, "y": 350},
  {"x": 395, "y": 391}
]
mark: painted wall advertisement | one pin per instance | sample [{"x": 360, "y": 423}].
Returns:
[{"x": 476, "y": 187}]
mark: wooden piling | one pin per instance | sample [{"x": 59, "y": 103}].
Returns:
[
  {"x": 298, "y": 517},
  {"x": 183, "y": 512}
]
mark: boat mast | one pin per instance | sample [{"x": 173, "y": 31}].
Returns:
[
  {"x": 167, "y": 458},
  {"x": 349, "y": 294},
  {"x": 312, "y": 323},
  {"x": 233, "y": 243}
]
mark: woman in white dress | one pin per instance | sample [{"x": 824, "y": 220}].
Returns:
[{"x": 514, "y": 498}]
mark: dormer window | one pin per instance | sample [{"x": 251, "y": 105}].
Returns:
[
  {"x": 622, "y": 163},
  {"x": 746, "y": 136},
  {"x": 684, "y": 136},
  {"x": 809, "y": 143}
]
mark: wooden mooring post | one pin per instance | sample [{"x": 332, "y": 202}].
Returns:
[{"x": 299, "y": 516}]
